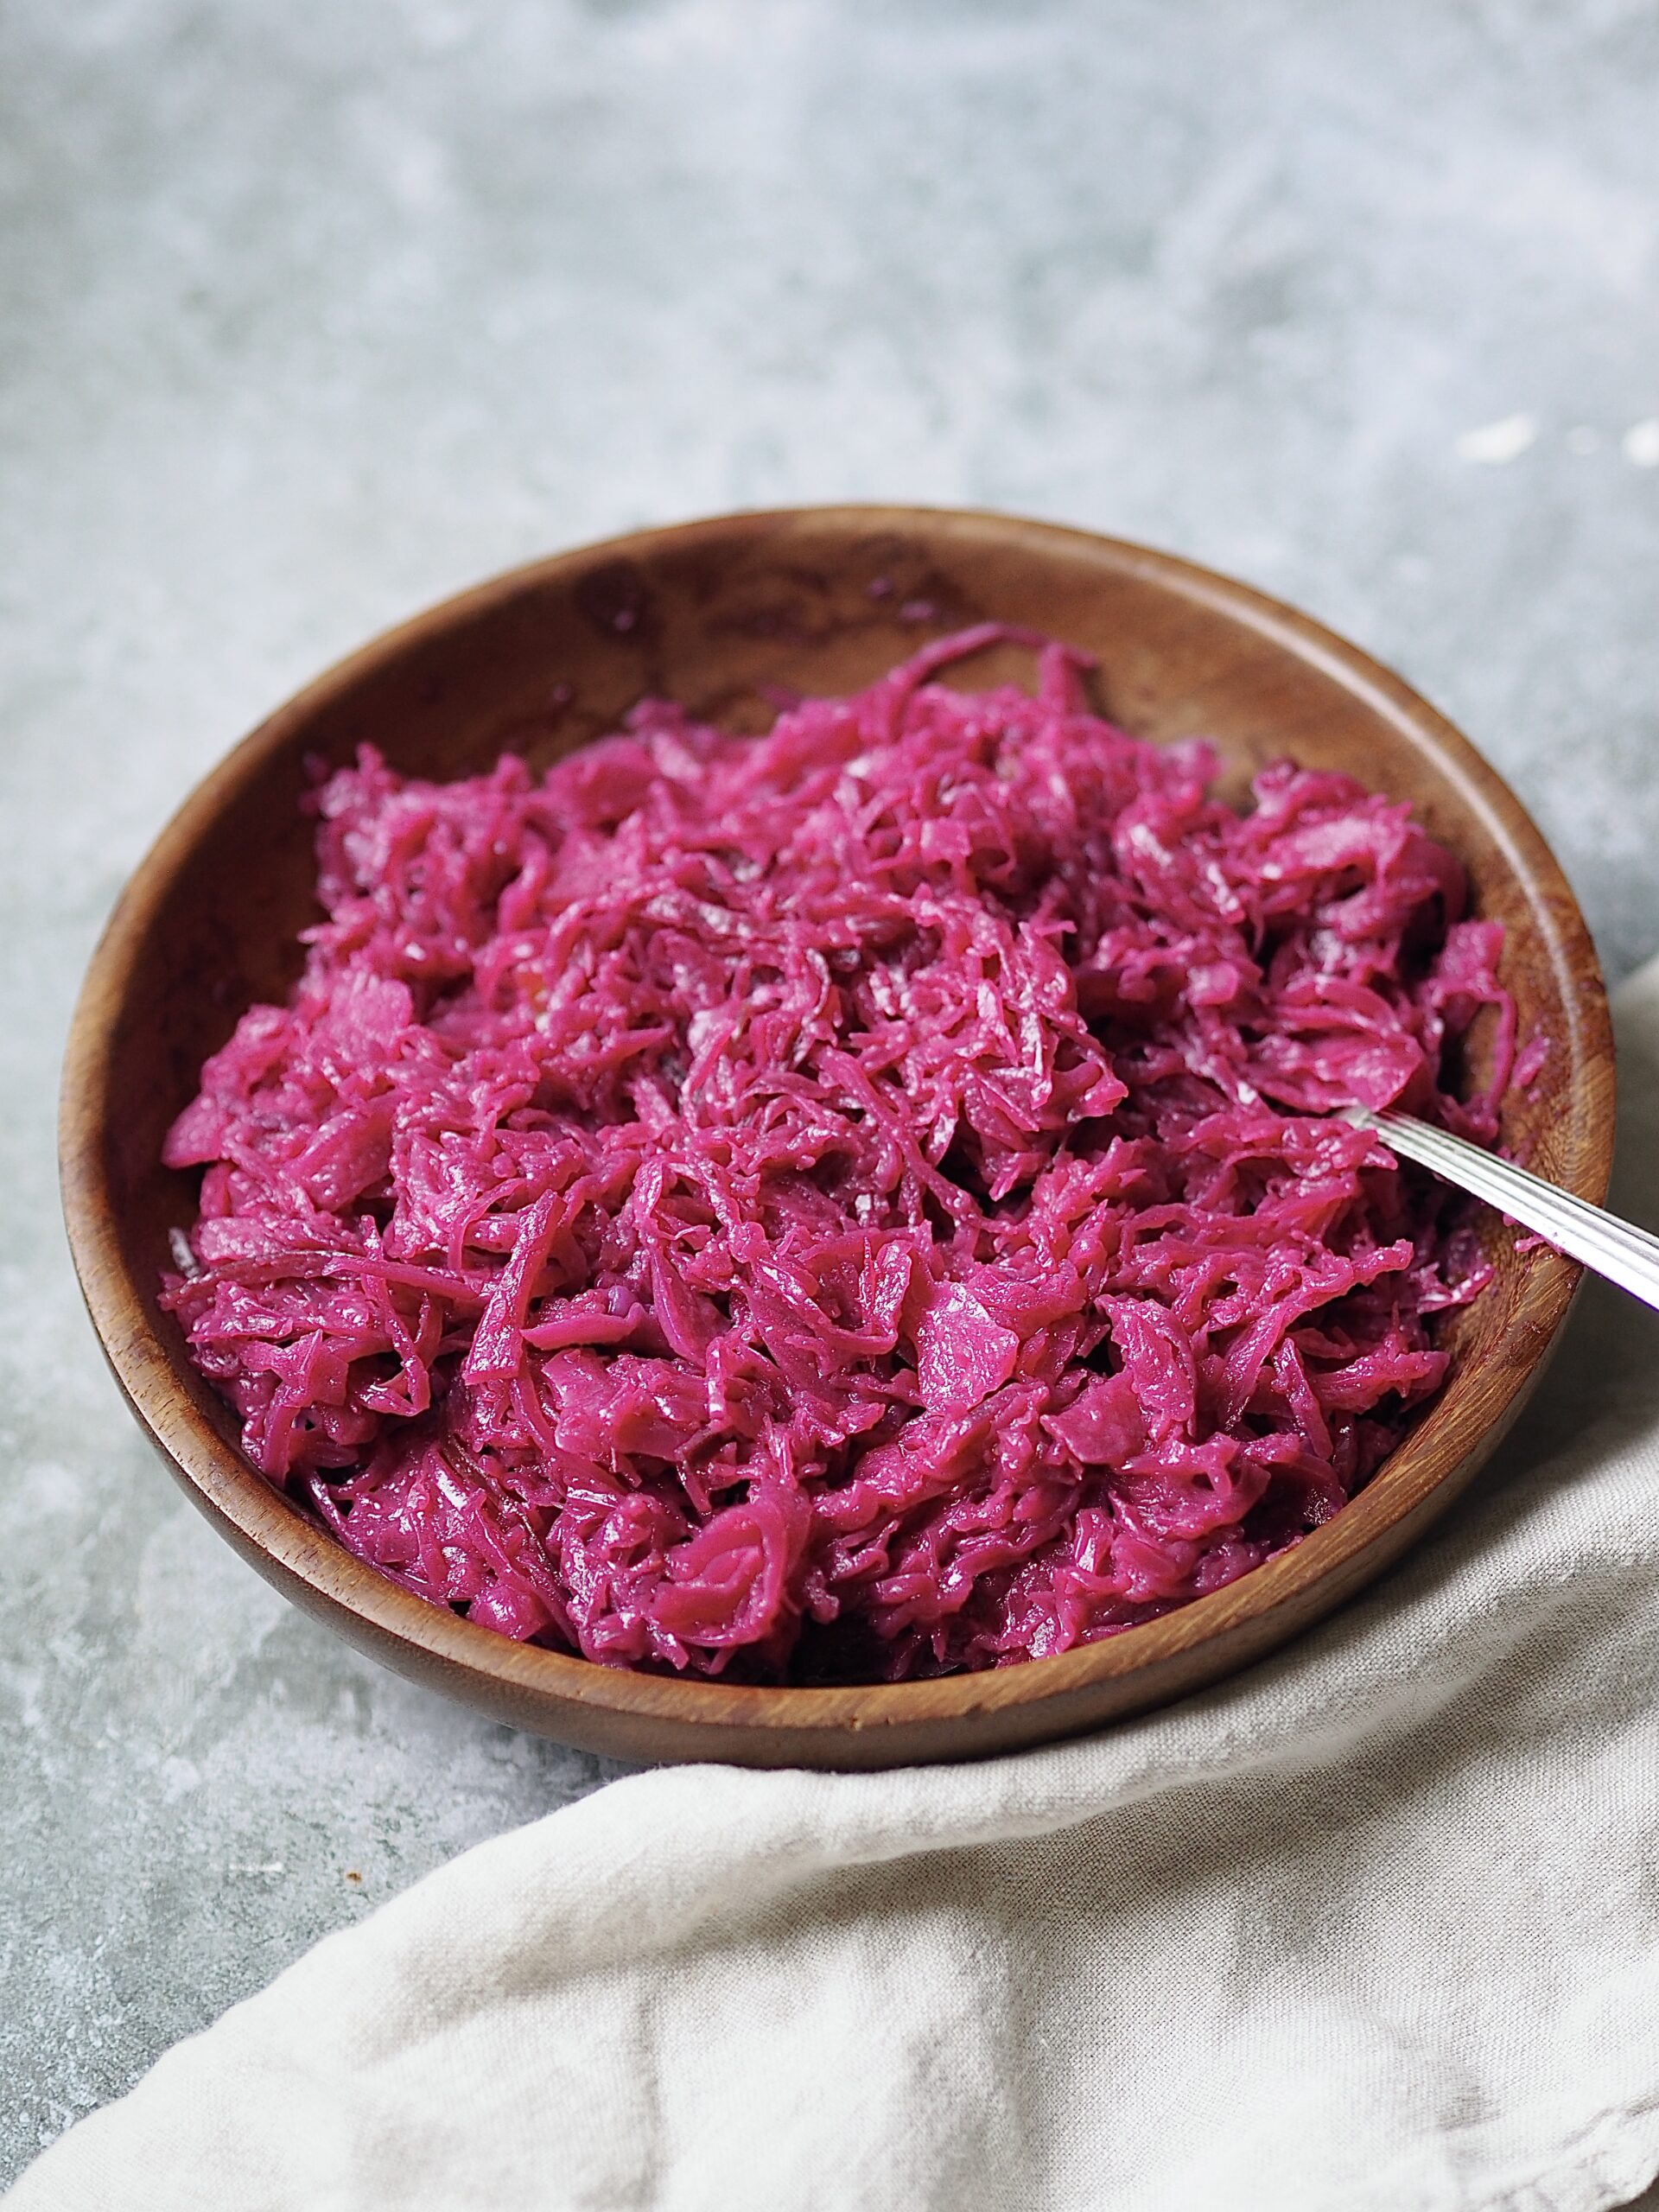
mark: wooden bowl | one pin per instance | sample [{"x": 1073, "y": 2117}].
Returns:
[{"x": 713, "y": 615}]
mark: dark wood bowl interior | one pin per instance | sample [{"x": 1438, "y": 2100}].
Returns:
[{"x": 721, "y": 615}]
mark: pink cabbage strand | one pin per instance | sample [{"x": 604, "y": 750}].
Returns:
[{"x": 853, "y": 1203}]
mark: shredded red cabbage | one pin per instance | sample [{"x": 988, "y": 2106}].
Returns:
[{"x": 854, "y": 1203}]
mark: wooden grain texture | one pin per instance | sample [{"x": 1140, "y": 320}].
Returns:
[{"x": 716, "y": 614}]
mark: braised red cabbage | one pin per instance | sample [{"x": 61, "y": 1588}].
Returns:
[{"x": 854, "y": 1203}]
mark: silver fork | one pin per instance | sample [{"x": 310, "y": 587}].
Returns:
[{"x": 1616, "y": 1249}]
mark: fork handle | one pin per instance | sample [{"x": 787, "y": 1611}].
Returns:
[{"x": 1624, "y": 1253}]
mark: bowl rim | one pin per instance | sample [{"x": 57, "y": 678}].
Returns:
[{"x": 246, "y": 1506}]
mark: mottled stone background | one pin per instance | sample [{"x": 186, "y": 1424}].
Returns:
[{"x": 311, "y": 313}]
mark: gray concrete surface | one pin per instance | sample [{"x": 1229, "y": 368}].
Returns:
[{"x": 309, "y": 313}]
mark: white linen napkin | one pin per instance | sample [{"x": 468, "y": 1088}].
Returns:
[{"x": 1375, "y": 1925}]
